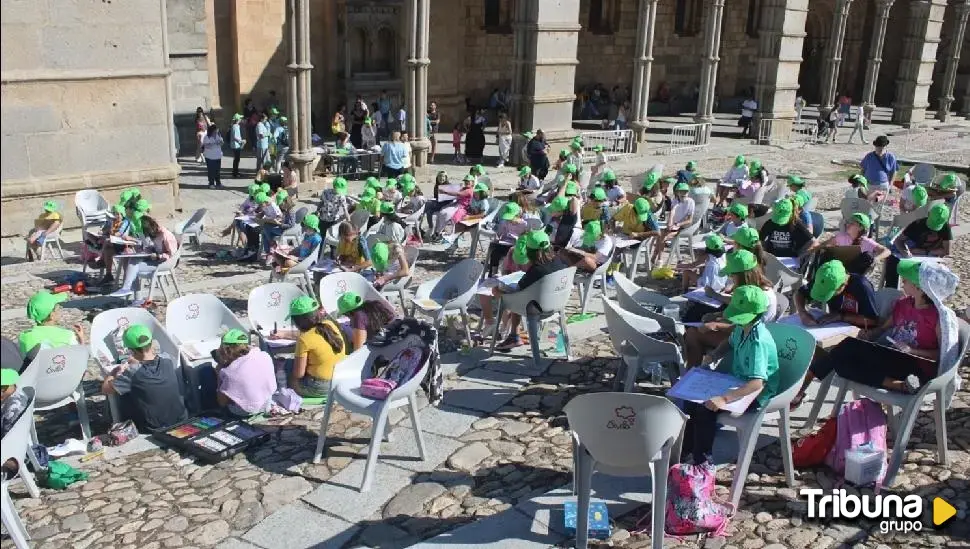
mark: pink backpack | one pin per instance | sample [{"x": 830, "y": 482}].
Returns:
[
  {"x": 691, "y": 508},
  {"x": 860, "y": 422}
]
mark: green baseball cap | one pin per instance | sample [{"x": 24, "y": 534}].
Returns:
[
  {"x": 478, "y": 169},
  {"x": 42, "y": 304},
  {"x": 801, "y": 198},
  {"x": 909, "y": 270},
  {"x": 303, "y": 305},
  {"x": 349, "y": 302},
  {"x": 281, "y": 196},
  {"x": 559, "y": 204},
  {"x": 755, "y": 166},
  {"x": 469, "y": 178},
  {"x": 938, "y": 217},
  {"x": 920, "y": 196},
  {"x": 142, "y": 206},
  {"x": 118, "y": 209},
  {"x": 528, "y": 135},
  {"x": 408, "y": 185},
  {"x": 782, "y": 211},
  {"x": 537, "y": 240},
  {"x": 265, "y": 188},
  {"x": 681, "y": 187},
  {"x": 829, "y": 279},
  {"x": 691, "y": 165},
  {"x": 380, "y": 253},
  {"x": 252, "y": 190},
  {"x": 592, "y": 233},
  {"x": 135, "y": 193},
  {"x": 283, "y": 119},
  {"x": 642, "y": 207},
  {"x": 598, "y": 148},
  {"x": 481, "y": 188},
  {"x": 572, "y": 189},
  {"x": 563, "y": 154},
  {"x": 311, "y": 221},
  {"x": 368, "y": 194},
  {"x": 608, "y": 175},
  {"x": 571, "y": 168},
  {"x": 519, "y": 253},
  {"x": 391, "y": 184},
  {"x": 261, "y": 197},
  {"x": 50, "y": 206},
  {"x": 237, "y": 117},
  {"x": 137, "y": 336},
  {"x": 406, "y": 177},
  {"x": 387, "y": 207},
  {"x": 739, "y": 261},
  {"x": 747, "y": 302},
  {"x": 673, "y": 180},
  {"x": 650, "y": 181},
  {"x": 235, "y": 336},
  {"x": 747, "y": 237},
  {"x": 860, "y": 180},
  {"x": 599, "y": 194},
  {"x": 739, "y": 210},
  {"x": 274, "y": 110},
  {"x": 796, "y": 181},
  {"x": 575, "y": 144},
  {"x": 126, "y": 195},
  {"x": 340, "y": 186},
  {"x": 863, "y": 221},
  {"x": 739, "y": 161},
  {"x": 714, "y": 242},
  {"x": 372, "y": 182},
  {"x": 948, "y": 182},
  {"x": 510, "y": 211},
  {"x": 525, "y": 171},
  {"x": 8, "y": 377}
]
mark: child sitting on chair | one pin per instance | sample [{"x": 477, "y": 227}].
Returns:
[
  {"x": 46, "y": 223},
  {"x": 284, "y": 257},
  {"x": 712, "y": 258}
]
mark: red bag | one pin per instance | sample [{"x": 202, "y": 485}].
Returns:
[{"x": 811, "y": 450}]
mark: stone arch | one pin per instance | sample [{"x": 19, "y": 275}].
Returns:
[{"x": 818, "y": 25}]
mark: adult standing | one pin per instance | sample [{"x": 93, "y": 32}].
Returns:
[
  {"x": 393, "y": 153},
  {"x": 879, "y": 165},
  {"x": 860, "y": 124},
  {"x": 538, "y": 151},
  {"x": 434, "y": 120},
  {"x": 748, "y": 107},
  {"x": 281, "y": 136},
  {"x": 475, "y": 139},
  {"x": 262, "y": 142},
  {"x": 357, "y": 121},
  {"x": 339, "y": 123},
  {"x": 251, "y": 116},
  {"x": 402, "y": 119},
  {"x": 236, "y": 142},
  {"x": 201, "y": 127},
  {"x": 504, "y": 137},
  {"x": 384, "y": 106},
  {"x": 212, "y": 151}
]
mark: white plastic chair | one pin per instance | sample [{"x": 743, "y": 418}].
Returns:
[
  {"x": 52, "y": 240},
  {"x": 199, "y": 317},
  {"x": 923, "y": 174},
  {"x": 412, "y": 222},
  {"x": 632, "y": 256},
  {"x": 399, "y": 285},
  {"x": 903, "y": 220},
  {"x": 485, "y": 228},
  {"x": 640, "y": 301},
  {"x": 268, "y": 308},
  {"x": 345, "y": 389},
  {"x": 908, "y": 406},
  {"x": 685, "y": 237},
  {"x": 164, "y": 273},
  {"x": 301, "y": 272},
  {"x": 56, "y": 376},
  {"x": 335, "y": 285},
  {"x": 193, "y": 227},
  {"x": 786, "y": 280},
  {"x": 852, "y": 206},
  {"x": 550, "y": 294},
  {"x": 91, "y": 208},
  {"x": 451, "y": 292},
  {"x": 626, "y": 435},
  {"x": 796, "y": 347},
  {"x": 292, "y": 235},
  {"x": 16, "y": 446},
  {"x": 630, "y": 335},
  {"x": 359, "y": 219},
  {"x": 955, "y": 210},
  {"x": 584, "y": 281}
]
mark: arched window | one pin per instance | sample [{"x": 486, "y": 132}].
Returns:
[
  {"x": 687, "y": 17},
  {"x": 604, "y": 16},
  {"x": 385, "y": 52},
  {"x": 359, "y": 46}
]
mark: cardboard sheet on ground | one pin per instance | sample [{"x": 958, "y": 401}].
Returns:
[{"x": 700, "y": 384}]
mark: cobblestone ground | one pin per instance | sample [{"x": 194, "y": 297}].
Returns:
[{"x": 158, "y": 498}]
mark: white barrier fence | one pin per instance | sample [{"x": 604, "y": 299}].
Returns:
[
  {"x": 689, "y": 137},
  {"x": 784, "y": 131},
  {"x": 616, "y": 143}
]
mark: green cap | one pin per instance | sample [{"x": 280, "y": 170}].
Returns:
[
  {"x": 608, "y": 175},
  {"x": 559, "y": 204},
  {"x": 274, "y": 110},
  {"x": 142, "y": 205},
  {"x": 281, "y": 196},
  {"x": 782, "y": 211},
  {"x": 592, "y": 233},
  {"x": 368, "y": 194},
  {"x": 714, "y": 243},
  {"x": 650, "y": 181},
  {"x": 801, "y": 198},
  {"x": 755, "y": 166},
  {"x": 50, "y": 206},
  {"x": 572, "y": 189},
  {"x": 510, "y": 211},
  {"x": 563, "y": 154},
  {"x": 920, "y": 196},
  {"x": 137, "y": 336},
  {"x": 261, "y": 197},
  {"x": 406, "y": 177},
  {"x": 349, "y": 302},
  {"x": 126, "y": 195},
  {"x": 860, "y": 180},
  {"x": 681, "y": 187},
  {"x": 537, "y": 240},
  {"x": 118, "y": 209},
  {"x": 949, "y": 182},
  {"x": 235, "y": 336},
  {"x": 42, "y": 304},
  {"x": 408, "y": 185},
  {"x": 237, "y": 117},
  {"x": 379, "y": 254},
  {"x": 739, "y": 261},
  {"x": 909, "y": 270},
  {"x": 265, "y": 188},
  {"x": 575, "y": 144},
  {"x": 829, "y": 279},
  {"x": 8, "y": 377},
  {"x": 692, "y": 165},
  {"x": 739, "y": 210},
  {"x": 747, "y": 237},
  {"x": 478, "y": 169},
  {"x": 303, "y": 305},
  {"x": 747, "y": 302},
  {"x": 469, "y": 178},
  {"x": 252, "y": 190},
  {"x": 340, "y": 186},
  {"x": 598, "y": 148},
  {"x": 387, "y": 207},
  {"x": 372, "y": 182},
  {"x": 599, "y": 194},
  {"x": 528, "y": 135},
  {"x": 939, "y": 216},
  {"x": 391, "y": 184},
  {"x": 525, "y": 171},
  {"x": 863, "y": 221},
  {"x": 571, "y": 168},
  {"x": 311, "y": 221},
  {"x": 642, "y": 207},
  {"x": 283, "y": 119},
  {"x": 796, "y": 181},
  {"x": 481, "y": 188},
  {"x": 519, "y": 254},
  {"x": 673, "y": 180},
  {"x": 739, "y": 161}
]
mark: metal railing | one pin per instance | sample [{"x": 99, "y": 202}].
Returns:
[
  {"x": 689, "y": 137},
  {"x": 784, "y": 131},
  {"x": 616, "y": 143}
]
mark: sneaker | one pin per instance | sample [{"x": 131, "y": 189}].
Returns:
[
  {"x": 121, "y": 292},
  {"x": 509, "y": 343},
  {"x": 912, "y": 384}
]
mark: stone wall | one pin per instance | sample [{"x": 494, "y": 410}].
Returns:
[
  {"x": 84, "y": 105},
  {"x": 261, "y": 54},
  {"x": 188, "y": 55}
]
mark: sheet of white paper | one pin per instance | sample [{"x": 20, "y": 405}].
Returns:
[
  {"x": 699, "y": 296},
  {"x": 700, "y": 384},
  {"x": 790, "y": 262},
  {"x": 199, "y": 350},
  {"x": 118, "y": 240},
  {"x": 277, "y": 343},
  {"x": 626, "y": 242},
  {"x": 820, "y": 333}
]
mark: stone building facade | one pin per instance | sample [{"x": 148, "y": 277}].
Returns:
[{"x": 85, "y": 104}]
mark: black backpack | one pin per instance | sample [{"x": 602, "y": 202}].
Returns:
[{"x": 283, "y": 141}]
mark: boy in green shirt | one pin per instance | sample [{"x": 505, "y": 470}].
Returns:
[{"x": 44, "y": 309}]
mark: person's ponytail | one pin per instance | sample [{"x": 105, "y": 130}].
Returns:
[{"x": 331, "y": 334}]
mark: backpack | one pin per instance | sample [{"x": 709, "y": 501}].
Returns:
[
  {"x": 860, "y": 422},
  {"x": 388, "y": 375},
  {"x": 691, "y": 508},
  {"x": 814, "y": 448},
  {"x": 283, "y": 141}
]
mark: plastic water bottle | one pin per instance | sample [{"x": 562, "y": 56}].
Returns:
[
  {"x": 656, "y": 372},
  {"x": 561, "y": 343}
]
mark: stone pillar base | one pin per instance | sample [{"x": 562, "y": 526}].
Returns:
[{"x": 639, "y": 128}]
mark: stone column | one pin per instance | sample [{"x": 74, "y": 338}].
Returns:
[
  {"x": 953, "y": 61},
  {"x": 916, "y": 66},
  {"x": 298, "y": 87},
  {"x": 416, "y": 83},
  {"x": 875, "y": 55},
  {"x": 965, "y": 109},
  {"x": 546, "y": 38},
  {"x": 833, "y": 55},
  {"x": 712, "y": 48},
  {"x": 643, "y": 66},
  {"x": 779, "y": 58}
]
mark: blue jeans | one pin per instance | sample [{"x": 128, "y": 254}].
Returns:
[{"x": 270, "y": 234}]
